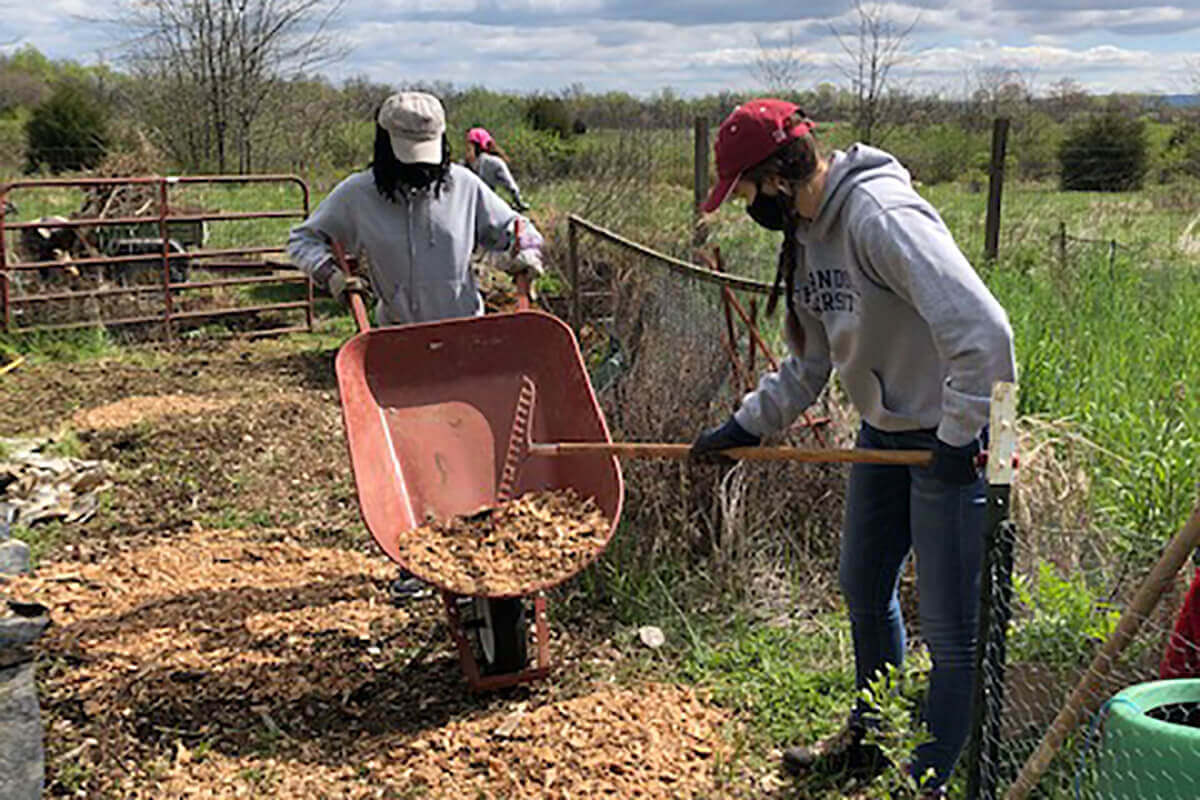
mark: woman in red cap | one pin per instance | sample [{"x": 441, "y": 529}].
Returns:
[{"x": 876, "y": 287}]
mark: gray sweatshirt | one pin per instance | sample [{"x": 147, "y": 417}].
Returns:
[
  {"x": 884, "y": 295},
  {"x": 494, "y": 171},
  {"x": 419, "y": 248}
]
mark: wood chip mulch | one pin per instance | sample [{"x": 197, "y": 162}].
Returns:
[
  {"x": 515, "y": 548},
  {"x": 230, "y": 664},
  {"x": 146, "y": 408},
  {"x": 648, "y": 741}
]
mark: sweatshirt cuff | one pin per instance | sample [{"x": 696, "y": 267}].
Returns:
[
  {"x": 748, "y": 422},
  {"x": 323, "y": 273}
]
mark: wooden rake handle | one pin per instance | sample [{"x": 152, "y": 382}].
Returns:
[{"x": 920, "y": 458}]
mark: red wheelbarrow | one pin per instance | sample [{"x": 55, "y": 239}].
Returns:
[{"x": 430, "y": 410}]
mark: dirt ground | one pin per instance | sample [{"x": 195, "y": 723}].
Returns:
[{"x": 221, "y": 627}]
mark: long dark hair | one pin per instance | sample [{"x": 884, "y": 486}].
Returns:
[
  {"x": 795, "y": 161},
  {"x": 393, "y": 177},
  {"x": 492, "y": 149}
]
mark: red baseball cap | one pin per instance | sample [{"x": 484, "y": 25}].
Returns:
[{"x": 755, "y": 130}]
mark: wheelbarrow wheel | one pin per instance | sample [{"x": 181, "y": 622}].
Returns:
[{"x": 502, "y": 634}]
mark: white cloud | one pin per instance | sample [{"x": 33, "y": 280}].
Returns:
[{"x": 644, "y": 45}]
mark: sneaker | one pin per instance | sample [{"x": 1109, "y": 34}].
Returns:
[
  {"x": 407, "y": 587},
  {"x": 844, "y": 753}
]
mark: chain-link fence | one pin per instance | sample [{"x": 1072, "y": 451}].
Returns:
[{"x": 1087, "y": 696}]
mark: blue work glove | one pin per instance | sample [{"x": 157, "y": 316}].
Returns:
[
  {"x": 708, "y": 445},
  {"x": 958, "y": 466}
]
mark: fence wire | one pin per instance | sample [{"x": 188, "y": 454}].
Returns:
[
  {"x": 659, "y": 359},
  {"x": 1087, "y": 658}
]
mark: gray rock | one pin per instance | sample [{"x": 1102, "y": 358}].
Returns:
[
  {"x": 14, "y": 557},
  {"x": 22, "y": 759},
  {"x": 19, "y": 629}
]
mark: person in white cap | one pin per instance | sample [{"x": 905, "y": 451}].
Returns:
[
  {"x": 417, "y": 217},
  {"x": 876, "y": 288}
]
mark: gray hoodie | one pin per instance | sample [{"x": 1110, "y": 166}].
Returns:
[
  {"x": 884, "y": 295},
  {"x": 494, "y": 172},
  {"x": 418, "y": 248}
]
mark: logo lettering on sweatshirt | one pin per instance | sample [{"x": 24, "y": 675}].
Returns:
[{"x": 828, "y": 290}]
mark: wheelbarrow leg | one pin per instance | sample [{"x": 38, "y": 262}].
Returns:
[{"x": 470, "y": 665}]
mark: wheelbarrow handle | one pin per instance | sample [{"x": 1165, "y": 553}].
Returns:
[
  {"x": 523, "y": 280},
  {"x": 357, "y": 307},
  {"x": 918, "y": 458},
  {"x": 524, "y": 290}
]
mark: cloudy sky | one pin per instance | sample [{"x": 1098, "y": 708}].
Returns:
[{"x": 700, "y": 46}]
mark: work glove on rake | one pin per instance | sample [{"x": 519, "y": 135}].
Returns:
[{"x": 709, "y": 444}]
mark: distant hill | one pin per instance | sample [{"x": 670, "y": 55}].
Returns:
[{"x": 1182, "y": 99}]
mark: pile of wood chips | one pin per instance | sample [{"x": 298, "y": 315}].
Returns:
[
  {"x": 647, "y": 741},
  {"x": 515, "y": 548},
  {"x": 216, "y": 664},
  {"x": 147, "y": 408}
]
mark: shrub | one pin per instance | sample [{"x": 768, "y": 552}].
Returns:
[
  {"x": 938, "y": 153},
  {"x": 1108, "y": 153},
  {"x": 1063, "y": 619},
  {"x": 550, "y": 114},
  {"x": 1183, "y": 149},
  {"x": 69, "y": 131}
]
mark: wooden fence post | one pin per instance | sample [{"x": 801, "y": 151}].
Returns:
[
  {"x": 573, "y": 274},
  {"x": 1062, "y": 244},
  {"x": 699, "y": 178},
  {"x": 991, "y": 244}
]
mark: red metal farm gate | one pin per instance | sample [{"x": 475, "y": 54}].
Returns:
[{"x": 147, "y": 242}]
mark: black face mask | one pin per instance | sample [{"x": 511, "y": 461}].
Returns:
[{"x": 768, "y": 211}]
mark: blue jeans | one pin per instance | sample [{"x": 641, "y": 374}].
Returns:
[{"x": 889, "y": 511}]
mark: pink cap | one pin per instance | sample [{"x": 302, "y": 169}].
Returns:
[
  {"x": 755, "y": 130},
  {"x": 479, "y": 136}
]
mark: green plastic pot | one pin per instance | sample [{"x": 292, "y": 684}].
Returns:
[{"x": 1141, "y": 755}]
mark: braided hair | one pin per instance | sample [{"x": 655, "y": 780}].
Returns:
[
  {"x": 394, "y": 177},
  {"x": 795, "y": 161}
]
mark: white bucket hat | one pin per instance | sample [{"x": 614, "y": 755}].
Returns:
[{"x": 415, "y": 122}]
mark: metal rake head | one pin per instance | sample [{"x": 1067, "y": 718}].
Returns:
[{"x": 520, "y": 438}]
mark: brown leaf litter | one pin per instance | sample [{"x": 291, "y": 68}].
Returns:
[
  {"x": 514, "y": 548},
  {"x": 226, "y": 664}
]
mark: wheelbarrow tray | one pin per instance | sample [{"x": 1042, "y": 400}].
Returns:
[{"x": 429, "y": 408}]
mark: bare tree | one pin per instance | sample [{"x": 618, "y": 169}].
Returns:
[
  {"x": 217, "y": 62},
  {"x": 1002, "y": 91},
  {"x": 1067, "y": 96},
  {"x": 779, "y": 66},
  {"x": 872, "y": 49}
]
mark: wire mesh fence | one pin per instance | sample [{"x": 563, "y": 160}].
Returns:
[
  {"x": 1090, "y": 691},
  {"x": 659, "y": 354}
]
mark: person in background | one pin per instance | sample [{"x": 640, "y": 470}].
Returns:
[
  {"x": 876, "y": 287},
  {"x": 417, "y": 217},
  {"x": 488, "y": 161}
]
